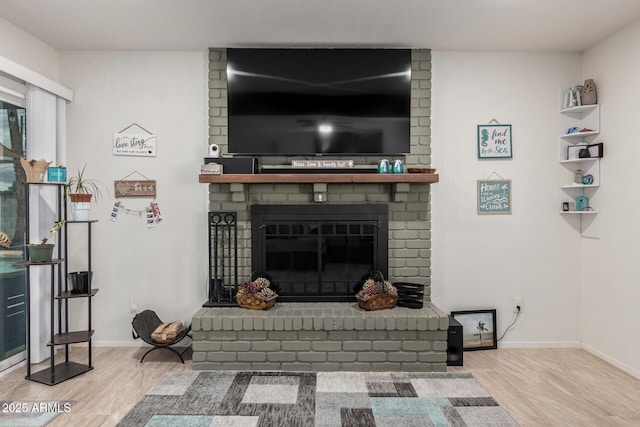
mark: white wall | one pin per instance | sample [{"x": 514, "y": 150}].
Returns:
[
  {"x": 21, "y": 47},
  {"x": 483, "y": 261},
  {"x": 163, "y": 268},
  {"x": 611, "y": 323}
]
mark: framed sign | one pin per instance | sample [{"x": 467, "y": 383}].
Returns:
[
  {"x": 478, "y": 329},
  {"x": 494, "y": 142},
  {"x": 494, "y": 197},
  {"x": 134, "y": 188}
]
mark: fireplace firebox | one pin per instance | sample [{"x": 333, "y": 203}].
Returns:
[{"x": 317, "y": 253}]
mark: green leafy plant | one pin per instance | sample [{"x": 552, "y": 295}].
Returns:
[
  {"x": 56, "y": 226},
  {"x": 79, "y": 184}
]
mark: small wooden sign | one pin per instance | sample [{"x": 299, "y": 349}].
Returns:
[
  {"x": 135, "y": 188},
  {"x": 322, "y": 164}
]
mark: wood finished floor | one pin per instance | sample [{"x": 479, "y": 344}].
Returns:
[{"x": 538, "y": 387}]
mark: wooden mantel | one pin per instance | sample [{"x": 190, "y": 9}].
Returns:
[{"x": 327, "y": 178}]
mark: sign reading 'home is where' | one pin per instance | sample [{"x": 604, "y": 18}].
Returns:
[
  {"x": 494, "y": 197},
  {"x": 135, "y": 188}
]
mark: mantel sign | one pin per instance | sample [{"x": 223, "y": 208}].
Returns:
[
  {"x": 494, "y": 142},
  {"x": 133, "y": 188},
  {"x": 494, "y": 197},
  {"x": 130, "y": 144}
]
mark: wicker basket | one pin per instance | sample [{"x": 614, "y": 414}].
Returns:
[
  {"x": 378, "y": 302},
  {"x": 255, "y": 302}
]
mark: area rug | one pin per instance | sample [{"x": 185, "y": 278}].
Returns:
[
  {"x": 30, "y": 413},
  {"x": 323, "y": 399}
]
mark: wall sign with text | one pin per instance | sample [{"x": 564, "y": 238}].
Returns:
[
  {"x": 133, "y": 188},
  {"x": 494, "y": 197},
  {"x": 130, "y": 144},
  {"x": 494, "y": 142}
]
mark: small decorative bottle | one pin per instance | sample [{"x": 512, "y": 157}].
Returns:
[{"x": 578, "y": 177}]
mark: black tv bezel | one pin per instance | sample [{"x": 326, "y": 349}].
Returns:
[{"x": 256, "y": 153}]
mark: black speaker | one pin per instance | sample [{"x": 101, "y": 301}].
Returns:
[{"x": 454, "y": 343}]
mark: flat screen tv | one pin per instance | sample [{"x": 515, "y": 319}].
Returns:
[{"x": 318, "y": 101}]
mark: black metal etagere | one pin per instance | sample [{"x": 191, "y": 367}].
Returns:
[{"x": 60, "y": 335}]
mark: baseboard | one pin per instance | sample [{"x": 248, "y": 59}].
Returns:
[
  {"x": 539, "y": 344},
  {"x": 136, "y": 343},
  {"x": 622, "y": 366}
]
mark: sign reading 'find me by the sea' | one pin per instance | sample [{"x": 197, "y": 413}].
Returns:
[
  {"x": 494, "y": 197},
  {"x": 134, "y": 144},
  {"x": 494, "y": 142}
]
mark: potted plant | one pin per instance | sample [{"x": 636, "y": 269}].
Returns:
[
  {"x": 80, "y": 190},
  {"x": 43, "y": 251}
]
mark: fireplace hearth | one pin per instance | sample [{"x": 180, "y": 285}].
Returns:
[{"x": 318, "y": 253}]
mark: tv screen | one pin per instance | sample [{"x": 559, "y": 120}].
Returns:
[{"x": 318, "y": 101}]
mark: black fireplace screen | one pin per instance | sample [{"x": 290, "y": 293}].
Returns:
[{"x": 318, "y": 253}]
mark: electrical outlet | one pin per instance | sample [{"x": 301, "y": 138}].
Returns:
[
  {"x": 517, "y": 302},
  {"x": 133, "y": 306}
]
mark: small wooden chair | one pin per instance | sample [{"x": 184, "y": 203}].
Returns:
[{"x": 145, "y": 322}]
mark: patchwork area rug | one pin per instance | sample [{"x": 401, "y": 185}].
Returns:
[{"x": 301, "y": 399}]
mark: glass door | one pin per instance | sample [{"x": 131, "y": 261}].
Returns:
[{"x": 12, "y": 234}]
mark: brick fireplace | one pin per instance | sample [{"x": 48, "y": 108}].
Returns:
[{"x": 329, "y": 335}]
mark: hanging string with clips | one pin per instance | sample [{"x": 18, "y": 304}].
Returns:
[{"x": 127, "y": 188}]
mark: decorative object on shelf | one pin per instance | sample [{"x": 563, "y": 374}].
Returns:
[
  {"x": 80, "y": 191},
  {"x": 5, "y": 240},
  {"x": 35, "y": 170},
  {"x": 582, "y": 203},
  {"x": 494, "y": 196},
  {"x": 212, "y": 168},
  {"x": 43, "y": 251},
  {"x": 478, "y": 329},
  {"x": 587, "y": 179},
  {"x": 80, "y": 282},
  {"x": 494, "y": 141},
  {"x": 384, "y": 166},
  {"x": 588, "y": 93},
  {"x": 322, "y": 164},
  {"x": 57, "y": 174},
  {"x": 377, "y": 293},
  {"x": 421, "y": 170},
  {"x": 134, "y": 144},
  {"x": 397, "y": 166},
  {"x": 577, "y": 177},
  {"x": 573, "y": 151},
  {"x": 584, "y": 153},
  {"x": 565, "y": 206},
  {"x": 596, "y": 150},
  {"x": 573, "y": 130},
  {"x": 572, "y": 97},
  {"x": 256, "y": 294}
]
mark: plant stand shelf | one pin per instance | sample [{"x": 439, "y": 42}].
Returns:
[{"x": 59, "y": 373}]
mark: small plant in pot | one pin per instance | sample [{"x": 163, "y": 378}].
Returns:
[
  {"x": 43, "y": 251},
  {"x": 80, "y": 191}
]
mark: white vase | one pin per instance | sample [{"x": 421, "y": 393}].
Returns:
[{"x": 80, "y": 211}]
